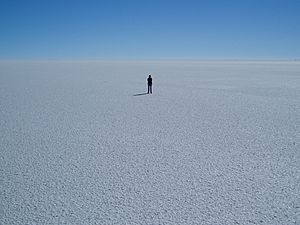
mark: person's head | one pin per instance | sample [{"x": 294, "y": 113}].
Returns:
[{"x": 149, "y": 76}]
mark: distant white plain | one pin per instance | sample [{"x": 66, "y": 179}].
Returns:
[{"x": 218, "y": 142}]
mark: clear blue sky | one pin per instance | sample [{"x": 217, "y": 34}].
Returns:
[{"x": 88, "y": 29}]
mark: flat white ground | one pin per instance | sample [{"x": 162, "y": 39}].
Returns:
[{"x": 216, "y": 143}]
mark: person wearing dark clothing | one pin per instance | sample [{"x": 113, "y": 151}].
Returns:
[{"x": 149, "y": 79}]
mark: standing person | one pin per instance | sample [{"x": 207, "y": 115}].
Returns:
[{"x": 149, "y": 80}]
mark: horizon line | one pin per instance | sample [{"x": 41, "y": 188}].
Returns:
[{"x": 108, "y": 59}]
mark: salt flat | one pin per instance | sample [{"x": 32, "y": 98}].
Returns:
[{"x": 216, "y": 143}]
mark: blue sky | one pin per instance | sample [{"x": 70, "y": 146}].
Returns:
[{"x": 134, "y": 29}]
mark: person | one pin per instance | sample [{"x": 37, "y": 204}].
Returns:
[{"x": 149, "y": 80}]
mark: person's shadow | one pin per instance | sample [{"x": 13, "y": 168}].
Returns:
[{"x": 140, "y": 94}]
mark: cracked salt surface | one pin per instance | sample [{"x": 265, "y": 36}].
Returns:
[{"x": 216, "y": 143}]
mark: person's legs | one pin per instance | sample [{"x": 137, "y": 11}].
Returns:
[
  {"x": 148, "y": 88},
  {"x": 151, "y": 89}
]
